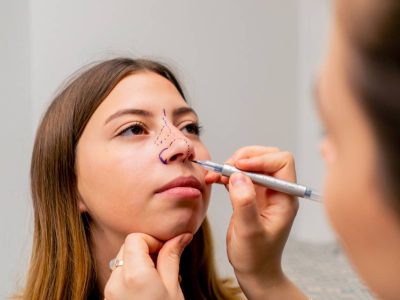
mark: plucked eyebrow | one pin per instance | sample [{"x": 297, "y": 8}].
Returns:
[
  {"x": 144, "y": 113},
  {"x": 183, "y": 111},
  {"x": 129, "y": 111}
]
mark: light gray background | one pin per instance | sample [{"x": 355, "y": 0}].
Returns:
[{"x": 248, "y": 68}]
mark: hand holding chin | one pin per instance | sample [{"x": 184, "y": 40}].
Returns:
[{"x": 139, "y": 277}]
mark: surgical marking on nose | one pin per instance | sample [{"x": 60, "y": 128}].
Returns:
[
  {"x": 165, "y": 125},
  {"x": 164, "y": 161},
  {"x": 158, "y": 141}
]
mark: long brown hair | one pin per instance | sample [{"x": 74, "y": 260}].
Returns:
[
  {"x": 62, "y": 264},
  {"x": 372, "y": 29}
]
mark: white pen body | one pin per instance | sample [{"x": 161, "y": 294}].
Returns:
[{"x": 269, "y": 182}]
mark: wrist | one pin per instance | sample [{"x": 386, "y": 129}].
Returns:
[
  {"x": 271, "y": 274},
  {"x": 257, "y": 284},
  {"x": 269, "y": 287}
]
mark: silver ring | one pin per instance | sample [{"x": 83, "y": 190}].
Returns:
[{"x": 115, "y": 263}]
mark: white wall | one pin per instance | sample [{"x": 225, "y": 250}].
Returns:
[
  {"x": 311, "y": 223},
  {"x": 16, "y": 139},
  {"x": 242, "y": 64}
]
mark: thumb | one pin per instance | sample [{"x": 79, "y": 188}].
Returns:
[
  {"x": 168, "y": 260},
  {"x": 243, "y": 198}
]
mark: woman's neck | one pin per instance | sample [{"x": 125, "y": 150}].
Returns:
[{"x": 105, "y": 246}]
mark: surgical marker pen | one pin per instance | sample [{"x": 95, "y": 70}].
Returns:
[{"x": 264, "y": 180}]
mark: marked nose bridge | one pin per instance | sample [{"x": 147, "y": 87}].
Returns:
[
  {"x": 175, "y": 132},
  {"x": 171, "y": 132},
  {"x": 166, "y": 133},
  {"x": 175, "y": 144}
]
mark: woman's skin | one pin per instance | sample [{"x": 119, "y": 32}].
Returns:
[
  {"x": 123, "y": 184},
  {"x": 366, "y": 226}
]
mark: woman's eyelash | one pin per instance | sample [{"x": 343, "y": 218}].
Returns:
[
  {"x": 193, "y": 128},
  {"x": 137, "y": 128}
]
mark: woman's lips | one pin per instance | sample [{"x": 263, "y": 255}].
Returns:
[{"x": 182, "y": 187}]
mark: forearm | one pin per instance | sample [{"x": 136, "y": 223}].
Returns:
[{"x": 271, "y": 289}]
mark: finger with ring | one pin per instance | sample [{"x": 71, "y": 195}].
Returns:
[{"x": 115, "y": 263}]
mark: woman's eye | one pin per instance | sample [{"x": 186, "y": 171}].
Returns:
[
  {"x": 135, "y": 129},
  {"x": 192, "y": 128}
]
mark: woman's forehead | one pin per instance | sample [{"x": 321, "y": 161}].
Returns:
[{"x": 147, "y": 91}]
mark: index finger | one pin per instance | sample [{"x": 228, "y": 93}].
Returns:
[
  {"x": 250, "y": 151},
  {"x": 280, "y": 164},
  {"x": 136, "y": 253}
]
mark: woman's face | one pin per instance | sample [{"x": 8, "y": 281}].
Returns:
[
  {"x": 133, "y": 162},
  {"x": 366, "y": 226}
]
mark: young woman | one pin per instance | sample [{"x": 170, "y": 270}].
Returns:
[
  {"x": 358, "y": 95},
  {"x": 112, "y": 177}
]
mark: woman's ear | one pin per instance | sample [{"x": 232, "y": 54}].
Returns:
[{"x": 81, "y": 205}]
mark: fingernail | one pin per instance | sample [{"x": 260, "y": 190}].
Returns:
[{"x": 238, "y": 179}]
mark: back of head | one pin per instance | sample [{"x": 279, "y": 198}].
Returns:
[{"x": 372, "y": 29}]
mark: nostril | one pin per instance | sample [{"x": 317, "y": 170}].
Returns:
[
  {"x": 179, "y": 156},
  {"x": 190, "y": 156},
  {"x": 179, "y": 149},
  {"x": 174, "y": 157}
]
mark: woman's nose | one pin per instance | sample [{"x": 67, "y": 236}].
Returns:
[
  {"x": 177, "y": 149},
  {"x": 180, "y": 150}
]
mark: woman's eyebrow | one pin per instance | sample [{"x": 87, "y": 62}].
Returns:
[
  {"x": 183, "y": 111},
  {"x": 129, "y": 111}
]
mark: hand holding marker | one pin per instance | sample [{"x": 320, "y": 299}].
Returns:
[{"x": 264, "y": 180}]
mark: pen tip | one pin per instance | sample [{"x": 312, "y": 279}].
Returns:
[{"x": 195, "y": 161}]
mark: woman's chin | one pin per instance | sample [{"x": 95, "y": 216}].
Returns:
[{"x": 169, "y": 231}]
